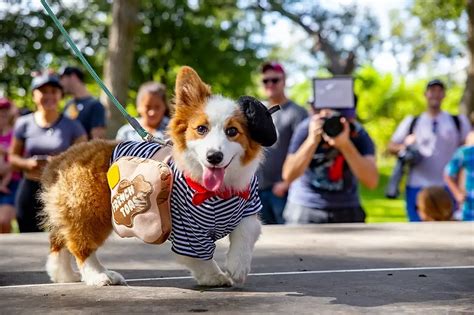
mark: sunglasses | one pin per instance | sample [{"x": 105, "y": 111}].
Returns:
[{"x": 272, "y": 80}]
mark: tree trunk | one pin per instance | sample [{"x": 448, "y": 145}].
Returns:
[
  {"x": 468, "y": 97},
  {"x": 119, "y": 60}
]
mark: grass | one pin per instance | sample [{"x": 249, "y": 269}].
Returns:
[{"x": 379, "y": 208}]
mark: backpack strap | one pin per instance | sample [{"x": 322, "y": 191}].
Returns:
[
  {"x": 412, "y": 125},
  {"x": 457, "y": 122},
  {"x": 455, "y": 118}
]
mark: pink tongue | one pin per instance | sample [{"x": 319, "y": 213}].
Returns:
[{"x": 213, "y": 178}]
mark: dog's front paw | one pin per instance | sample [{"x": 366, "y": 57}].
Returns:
[
  {"x": 238, "y": 268},
  {"x": 214, "y": 280},
  {"x": 108, "y": 277},
  {"x": 238, "y": 273}
]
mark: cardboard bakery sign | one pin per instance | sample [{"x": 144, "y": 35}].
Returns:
[{"x": 140, "y": 198}]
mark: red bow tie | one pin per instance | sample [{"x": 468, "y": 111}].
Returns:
[{"x": 201, "y": 194}]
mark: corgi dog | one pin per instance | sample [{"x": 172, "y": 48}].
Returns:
[{"x": 217, "y": 147}]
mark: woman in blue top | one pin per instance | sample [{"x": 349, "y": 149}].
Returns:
[
  {"x": 153, "y": 109},
  {"x": 36, "y": 138}
]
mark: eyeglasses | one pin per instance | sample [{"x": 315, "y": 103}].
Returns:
[{"x": 272, "y": 80}]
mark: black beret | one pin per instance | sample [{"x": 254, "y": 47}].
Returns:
[{"x": 259, "y": 120}]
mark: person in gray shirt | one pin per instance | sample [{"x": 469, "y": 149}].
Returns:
[
  {"x": 37, "y": 137},
  {"x": 272, "y": 189}
]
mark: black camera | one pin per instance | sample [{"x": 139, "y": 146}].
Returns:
[
  {"x": 333, "y": 126},
  {"x": 408, "y": 157}
]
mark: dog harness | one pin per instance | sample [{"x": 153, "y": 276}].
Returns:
[{"x": 196, "y": 227}]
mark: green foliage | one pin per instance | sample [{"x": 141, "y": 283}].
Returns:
[
  {"x": 301, "y": 93},
  {"x": 439, "y": 10},
  {"x": 431, "y": 30},
  {"x": 30, "y": 42},
  {"x": 211, "y": 36}
]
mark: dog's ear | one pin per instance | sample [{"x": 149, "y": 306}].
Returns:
[
  {"x": 259, "y": 120},
  {"x": 190, "y": 90}
]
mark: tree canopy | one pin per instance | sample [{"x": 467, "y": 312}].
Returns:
[{"x": 211, "y": 36}]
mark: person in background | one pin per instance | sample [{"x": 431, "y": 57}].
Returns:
[
  {"x": 436, "y": 135},
  {"x": 36, "y": 138},
  {"x": 9, "y": 180},
  {"x": 273, "y": 189},
  {"x": 324, "y": 171},
  {"x": 154, "y": 111},
  {"x": 83, "y": 107},
  {"x": 463, "y": 191}
]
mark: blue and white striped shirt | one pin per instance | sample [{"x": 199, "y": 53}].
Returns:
[{"x": 196, "y": 228}]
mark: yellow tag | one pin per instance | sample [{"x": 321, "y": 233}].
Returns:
[{"x": 113, "y": 176}]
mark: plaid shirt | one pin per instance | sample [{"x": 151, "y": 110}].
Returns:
[{"x": 464, "y": 159}]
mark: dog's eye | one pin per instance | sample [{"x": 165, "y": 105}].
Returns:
[
  {"x": 231, "y": 132},
  {"x": 201, "y": 130}
]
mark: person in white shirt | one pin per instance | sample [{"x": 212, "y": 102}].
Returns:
[{"x": 436, "y": 135}]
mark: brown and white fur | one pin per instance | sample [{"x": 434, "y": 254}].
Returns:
[{"x": 76, "y": 195}]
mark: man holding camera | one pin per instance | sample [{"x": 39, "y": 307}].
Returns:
[
  {"x": 325, "y": 169},
  {"x": 434, "y": 136}
]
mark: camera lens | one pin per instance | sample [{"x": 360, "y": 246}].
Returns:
[{"x": 332, "y": 126}]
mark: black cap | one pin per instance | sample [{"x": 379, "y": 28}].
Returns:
[
  {"x": 45, "y": 79},
  {"x": 259, "y": 120},
  {"x": 435, "y": 82},
  {"x": 73, "y": 70}
]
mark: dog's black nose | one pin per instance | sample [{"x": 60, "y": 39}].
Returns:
[{"x": 214, "y": 157}]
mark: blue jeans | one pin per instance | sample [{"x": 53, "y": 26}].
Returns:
[
  {"x": 410, "y": 196},
  {"x": 273, "y": 206}
]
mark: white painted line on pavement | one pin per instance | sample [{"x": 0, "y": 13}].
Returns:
[
  {"x": 261, "y": 274},
  {"x": 293, "y": 273}
]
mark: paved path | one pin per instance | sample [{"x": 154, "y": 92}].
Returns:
[{"x": 351, "y": 268}]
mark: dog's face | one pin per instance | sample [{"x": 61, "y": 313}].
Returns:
[{"x": 211, "y": 139}]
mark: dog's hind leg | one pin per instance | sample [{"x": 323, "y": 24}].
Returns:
[
  {"x": 58, "y": 265},
  {"x": 206, "y": 272},
  {"x": 94, "y": 273},
  {"x": 76, "y": 199},
  {"x": 83, "y": 246},
  {"x": 242, "y": 241}
]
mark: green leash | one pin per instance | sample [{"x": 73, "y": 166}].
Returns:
[{"x": 146, "y": 136}]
